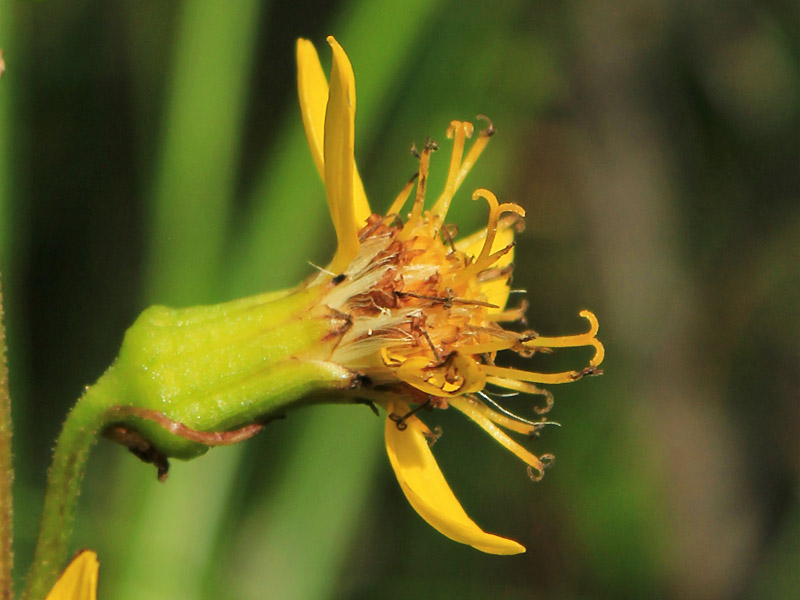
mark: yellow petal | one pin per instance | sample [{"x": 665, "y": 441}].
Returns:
[
  {"x": 312, "y": 90},
  {"x": 426, "y": 489},
  {"x": 339, "y": 145},
  {"x": 79, "y": 580}
]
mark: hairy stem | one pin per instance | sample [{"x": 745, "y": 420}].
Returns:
[
  {"x": 6, "y": 471},
  {"x": 84, "y": 423}
]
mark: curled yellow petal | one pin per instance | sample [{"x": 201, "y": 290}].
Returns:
[
  {"x": 79, "y": 579},
  {"x": 426, "y": 489}
]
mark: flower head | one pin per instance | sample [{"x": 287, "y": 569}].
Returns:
[{"x": 423, "y": 309}]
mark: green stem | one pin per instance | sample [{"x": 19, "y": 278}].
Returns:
[
  {"x": 6, "y": 472},
  {"x": 84, "y": 423}
]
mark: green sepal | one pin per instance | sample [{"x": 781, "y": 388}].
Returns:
[{"x": 218, "y": 368}]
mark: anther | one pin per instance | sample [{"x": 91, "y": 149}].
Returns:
[
  {"x": 536, "y": 475},
  {"x": 590, "y": 371},
  {"x": 449, "y": 233},
  {"x": 490, "y": 130},
  {"x": 338, "y": 279},
  {"x": 422, "y": 181},
  {"x": 433, "y": 436},
  {"x": 400, "y": 422},
  {"x": 549, "y": 402}
]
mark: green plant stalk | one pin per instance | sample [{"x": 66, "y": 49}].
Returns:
[
  {"x": 6, "y": 458},
  {"x": 84, "y": 422},
  {"x": 6, "y": 471}
]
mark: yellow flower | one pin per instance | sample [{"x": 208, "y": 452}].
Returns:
[
  {"x": 423, "y": 311},
  {"x": 79, "y": 579}
]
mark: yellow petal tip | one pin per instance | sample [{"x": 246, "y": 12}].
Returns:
[
  {"x": 426, "y": 489},
  {"x": 79, "y": 579}
]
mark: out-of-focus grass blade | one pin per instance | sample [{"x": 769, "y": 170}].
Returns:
[
  {"x": 195, "y": 174},
  {"x": 288, "y": 202},
  {"x": 296, "y": 538},
  {"x": 192, "y": 195},
  {"x": 778, "y": 576}
]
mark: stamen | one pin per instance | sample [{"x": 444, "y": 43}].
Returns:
[
  {"x": 476, "y": 150},
  {"x": 432, "y": 436},
  {"x": 547, "y": 462},
  {"x": 436, "y": 354},
  {"x": 486, "y": 347},
  {"x": 506, "y": 418},
  {"x": 449, "y": 233},
  {"x": 417, "y": 325},
  {"x": 422, "y": 180},
  {"x": 400, "y": 422},
  {"x": 512, "y": 314},
  {"x": 493, "y": 258},
  {"x": 526, "y": 388},
  {"x": 470, "y": 242},
  {"x": 470, "y": 409},
  {"x": 573, "y": 341},
  {"x": 460, "y": 130},
  {"x": 496, "y": 273},
  {"x": 402, "y": 197},
  {"x": 495, "y": 211},
  {"x": 447, "y": 300},
  {"x": 531, "y": 376}
]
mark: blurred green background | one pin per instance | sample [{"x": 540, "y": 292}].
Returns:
[{"x": 154, "y": 152}]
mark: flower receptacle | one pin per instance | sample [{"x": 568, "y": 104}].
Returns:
[{"x": 223, "y": 367}]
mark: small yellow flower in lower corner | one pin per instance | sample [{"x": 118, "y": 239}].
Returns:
[
  {"x": 79, "y": 579},
  {"x": 423, "y": 310}
]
